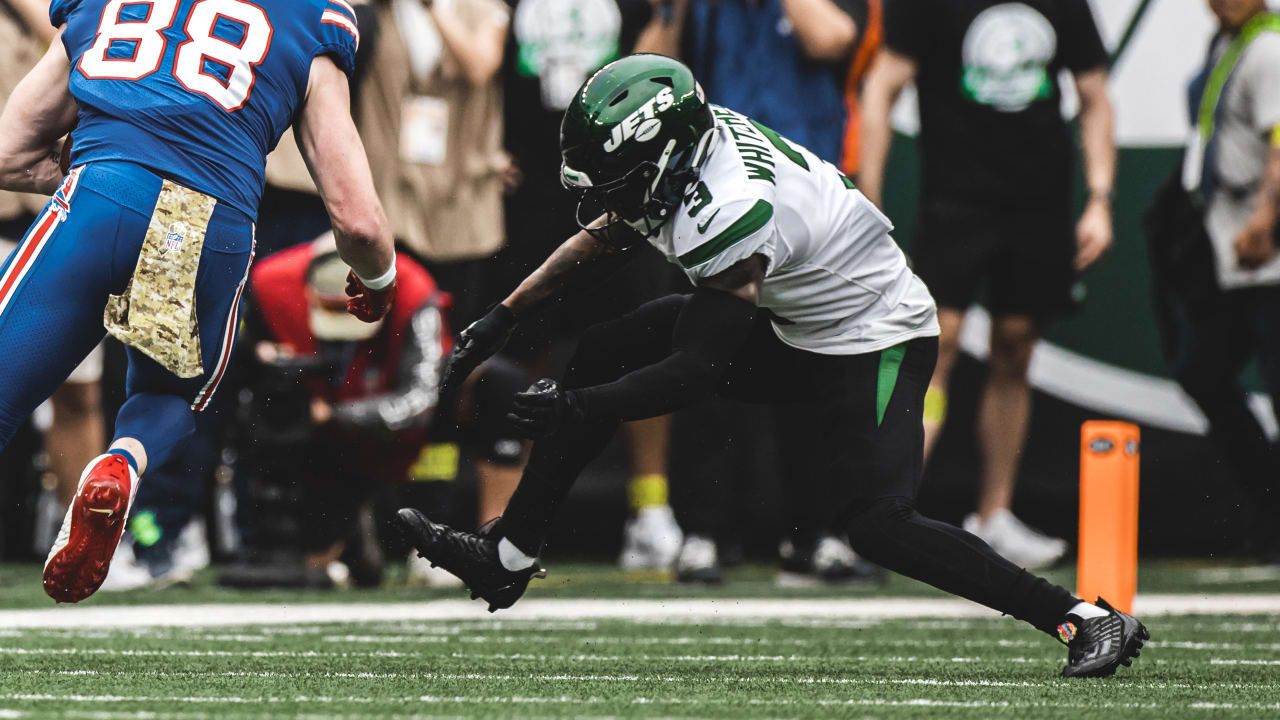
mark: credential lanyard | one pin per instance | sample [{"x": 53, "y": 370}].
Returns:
[{"x": 1197, "y": 170}]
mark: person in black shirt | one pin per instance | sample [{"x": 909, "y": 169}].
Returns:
[
  {"x": 553, "y": 47},
  {"x": 996, "y": 203}
]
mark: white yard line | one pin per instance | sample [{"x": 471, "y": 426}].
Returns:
[{"x": 682, "y": 611}]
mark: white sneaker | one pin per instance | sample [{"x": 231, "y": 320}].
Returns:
[
  {"x": 126, "y": 574},
  {"x": 191, "y": 552},
  {"x": 422, "y": 575},
  {"x": 833, "y": 555},
  {"x": 698, "y": 560},
  {"x": 1017, "y": 542},
  {"x": 651, "y": 540}
]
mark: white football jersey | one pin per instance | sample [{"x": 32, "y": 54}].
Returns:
[{"x": 836, "y": 282}]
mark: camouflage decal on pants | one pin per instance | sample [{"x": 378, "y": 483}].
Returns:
[{"x": 156, "y": 314}]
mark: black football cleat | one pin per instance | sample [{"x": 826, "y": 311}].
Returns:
[
  {"x": 1102, "y": 644},
  {"x": 472, "y": 557}
]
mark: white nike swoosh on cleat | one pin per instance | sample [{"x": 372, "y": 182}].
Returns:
[{"x": 103, "y": 511}]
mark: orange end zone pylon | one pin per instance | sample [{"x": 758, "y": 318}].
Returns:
[{"x": 1108, "y": 558}]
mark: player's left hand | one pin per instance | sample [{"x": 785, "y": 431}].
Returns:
[
  {"x": 368, "y": 305},
  {"x": 543, "y": 409},
  {"x": 1093, "y": 233}
]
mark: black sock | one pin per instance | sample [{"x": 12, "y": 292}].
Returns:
[
  {"x": 554, "y": 465},
  {"x": 891, "y": 533},
  {"x": 528, "y": 515}
]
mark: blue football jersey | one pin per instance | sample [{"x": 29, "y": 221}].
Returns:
[{"x": 200, "y": 91}]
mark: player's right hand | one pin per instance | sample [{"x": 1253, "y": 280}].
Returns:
[
  {"x": 367, "y": 304},
  {"x": 479, "y": 342}
]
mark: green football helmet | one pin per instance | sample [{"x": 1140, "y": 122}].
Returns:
[{"x": 632, "y": 140}]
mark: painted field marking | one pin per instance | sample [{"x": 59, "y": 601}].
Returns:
[
  {"x": 657, "y": 611},
  {"x": 1223, "y": 576},
  {"x": 241, "y": 715}
]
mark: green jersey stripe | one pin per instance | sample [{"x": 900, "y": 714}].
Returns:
[
  {"x": 887, "y": 378},
  {"x": 744, "y": 227}
]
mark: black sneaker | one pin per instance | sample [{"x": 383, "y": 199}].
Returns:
[
  {"x": 1097, "y": 646},
  {"x": 472, "y": 557}
]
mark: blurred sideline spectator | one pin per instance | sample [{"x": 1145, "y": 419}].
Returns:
[
  {"x": 430, "y": 114},
  {"x": 1213, "y": 232},
  {"x": 870, "y": 25},
  {"x": 788, "y": 64},
  {"x": 76, "y": 434},
  {"x": 554, "y": 47},
  {"x": 996, "y": 205}
]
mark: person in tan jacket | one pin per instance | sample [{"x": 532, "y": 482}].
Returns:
[{"x": 431, "y": 114}]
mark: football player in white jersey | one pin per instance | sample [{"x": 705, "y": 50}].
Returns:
[{"x": 799, "y": 295}]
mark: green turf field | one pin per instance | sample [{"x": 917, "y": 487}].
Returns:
[
  {"x": 664, "y": 665},
  {"x": 1196, "y": 667}
]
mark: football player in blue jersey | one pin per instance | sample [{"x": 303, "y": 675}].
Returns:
[{"x": 149, "y": 235}]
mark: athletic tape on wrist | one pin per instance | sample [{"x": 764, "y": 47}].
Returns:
[{"x": 382, "y": 280}]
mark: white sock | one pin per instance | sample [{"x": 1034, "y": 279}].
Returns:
[
  {"x": 511, "y": 557},
  {"x": 1084, "y": 611}
]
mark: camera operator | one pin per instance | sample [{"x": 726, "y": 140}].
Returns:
[{"x": 355, "y": 402}]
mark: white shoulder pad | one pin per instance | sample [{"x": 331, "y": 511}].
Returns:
[{"x": 720, "y": 234}]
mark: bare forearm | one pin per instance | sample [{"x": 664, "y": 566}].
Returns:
[
  {"x": 562, "y": 269},
  {"x": 877, "y": 136},
  {"x": 478, "y": 50},
  {"x": 40, "y": 175},
  {"x": 35, "y": 15},
  {"x": 825, "y": 31},
  {"x": 662, "y": 34},
  {"x": 1269, "y": 190},
  {"x": 889, "y": 74},
  {"x": 335, "y": 156},
  {"x": 39, "y": 112},
  {"x": 1097, "y": 137},
  {"x": 369, "y": 251}
]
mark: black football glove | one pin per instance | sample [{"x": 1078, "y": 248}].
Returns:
[
  {"x": 543, "y": 409},
  {"x": 480, "y": 341}
]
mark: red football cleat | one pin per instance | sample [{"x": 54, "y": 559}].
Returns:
[{"x": 80, "y": 557}]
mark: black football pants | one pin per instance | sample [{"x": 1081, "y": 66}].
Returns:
[{"x": 868, "y": 410}]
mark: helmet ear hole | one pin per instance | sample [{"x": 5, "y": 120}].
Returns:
[
  {"x": 664, "y": 80},
  {"x": 619, "y": 97}
]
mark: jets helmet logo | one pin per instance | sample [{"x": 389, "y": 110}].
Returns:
[{"x": 643, "y": 124}]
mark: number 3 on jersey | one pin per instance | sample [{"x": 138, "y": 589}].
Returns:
[{"x": 243, "y": 39}]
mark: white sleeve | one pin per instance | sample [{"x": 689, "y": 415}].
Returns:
[
  {"x": 1264, "y": 82},
  {"x": 725, "y": 234}
]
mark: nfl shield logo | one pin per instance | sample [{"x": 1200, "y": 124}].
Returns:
[{"x": 173, "y": 240}]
